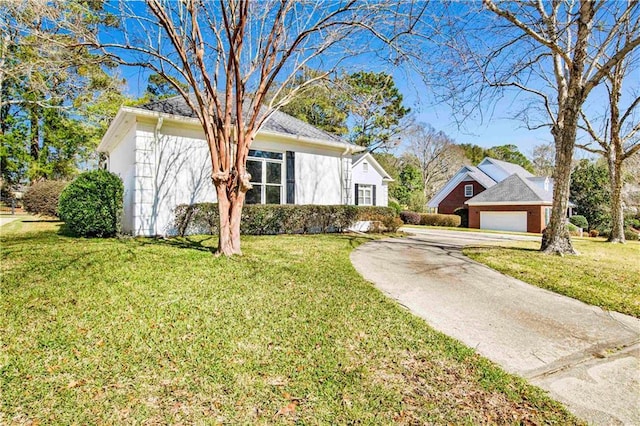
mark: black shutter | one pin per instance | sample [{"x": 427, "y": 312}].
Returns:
[
  {"x": 374, "y": 194},
  {"x": 291, "y": 177},
  {"x": 356, "y": 195}
]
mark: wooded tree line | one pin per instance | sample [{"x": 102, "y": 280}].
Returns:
[{"x": 59, "y": 82}]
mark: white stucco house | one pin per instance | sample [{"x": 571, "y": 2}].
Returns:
[{"x": 160, "y": 152}]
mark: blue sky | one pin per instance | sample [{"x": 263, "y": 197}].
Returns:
[{"x": 496, "y": 127}]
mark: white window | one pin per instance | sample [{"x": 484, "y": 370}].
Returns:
[
  {"x": 266, "y": 172},
  {"x": 365, "y": 195},
  {"x": 468, "y": 190},
  {"x": 365, "y": 167}
]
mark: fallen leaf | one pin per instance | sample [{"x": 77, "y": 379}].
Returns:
[{"x": 289, "y": 409}]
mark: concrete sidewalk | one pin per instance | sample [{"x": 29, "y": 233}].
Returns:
[{"x": 586, "y": 357}]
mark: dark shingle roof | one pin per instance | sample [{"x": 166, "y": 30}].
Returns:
[
  {"x": 514, "y": 189},
  {"x": 279, "y": 122}
]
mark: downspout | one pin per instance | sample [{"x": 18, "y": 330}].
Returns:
[
  {"x": 343, "y": 178},
  {"x": 154, "y": 173}
]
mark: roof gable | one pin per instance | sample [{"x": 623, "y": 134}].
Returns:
[
  {"x": 465, "y": 173},
  {"x": 499, "y": 170},
  {"x": 357, "y": 159},
  {"x": 514, "y": 189}
]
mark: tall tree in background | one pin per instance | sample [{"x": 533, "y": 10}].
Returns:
[
  {"x": 239, "y": 60},
  {"x": 619, "y": 138},
  {"x": 590, "y": 191},
  {"x": 320, "y": 104},
  {"x": 509, "y": 153},
  {"x": 554, "y": 52},
  {"x": 542, "y": 159},
  {"x": 159, "y": 88},
  {"x": 53, "y": 91},
  {"x": 375, "y": 107},
  {"x": 437, "y": 156}
]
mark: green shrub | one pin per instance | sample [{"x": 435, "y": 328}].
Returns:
[
  {"x": 573, "y": 229},
  {"x": 91, "y": 205},
  {"x": 42, "y": 197},
  {"x": 631, "y": 235},
  {"x": 271, "y": 219},
  {"x": 397, "y": 208},
  {"x": 410, "y": 218},
  {"x": 579, "y": 221},
  {"x": 434, "y": 219}
]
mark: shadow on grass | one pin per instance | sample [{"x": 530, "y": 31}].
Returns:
[
  {"x": 192, "y": 243},
  {"x": 41, "y": 221}
]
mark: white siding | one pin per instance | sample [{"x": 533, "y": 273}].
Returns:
[
  {"x": 370, "y": 177},
  {"x": 172, "y": 168},
  {"x": 122, "y": 162},
  {"x": 163, "y": 169},
  {"x": 318, "y": 179}
]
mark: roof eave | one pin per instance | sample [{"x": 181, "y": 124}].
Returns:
[{"x": 140, "y": 112}]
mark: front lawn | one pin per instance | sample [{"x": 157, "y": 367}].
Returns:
[
  {"x": 605, "y": 275},
  {"x": 161, "y": 332}
]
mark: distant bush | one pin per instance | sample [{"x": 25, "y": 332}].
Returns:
[
  {"x": 42, "y": 197},
  {"x": 272, "y": 219},
  {"x": 410, "y": 218},
  {"x": 594, "y": 233},
  {"x": 579, "y": 221},
  {"x": 631, "y": 235},
  {"x": 573, "y": 229},
  {"x": 91, "y": 205},
  {"x": 396, "y": 207},
  {"x": 434, "y": 219}
]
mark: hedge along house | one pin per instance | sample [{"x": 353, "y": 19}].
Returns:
[
  {"x": 159, "y": 151},
  {"x": 498, "y": 195}
]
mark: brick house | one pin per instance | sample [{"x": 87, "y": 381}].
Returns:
[{"x": 497, "y": 195}]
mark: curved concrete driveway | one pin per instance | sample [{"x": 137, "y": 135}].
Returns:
[{"x": 584, "y": 356}]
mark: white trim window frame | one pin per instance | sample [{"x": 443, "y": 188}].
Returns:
[
  {"x": 468, "y": 190},
  {"x": 268, "y": 182},
  {"x": 365, "y": 195},
  {"x": 547, "y": 215}
]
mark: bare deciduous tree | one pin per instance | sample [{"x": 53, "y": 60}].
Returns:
[
  {"x": 552, "y": 54},
  {"x": 232, "y": 54},
  {"x": 618, "y": 139},
  {"x": 438, "y": 157}
]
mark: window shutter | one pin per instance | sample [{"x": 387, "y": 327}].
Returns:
[
  {"x": 356, "y": 195},
  {"x": 373, "y": 189},
  {"x": 291, "y": 177}
]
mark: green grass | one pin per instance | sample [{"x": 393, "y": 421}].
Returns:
[
  {"x": 484, "y": 231},
  {"x": 605, "y": 275},
  {"x": 159, "y": 331}
]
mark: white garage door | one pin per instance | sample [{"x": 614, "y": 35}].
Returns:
[{"x": 504, "y": 221}]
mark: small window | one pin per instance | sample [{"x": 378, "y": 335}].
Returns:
[
  {"x": 547, "y": 215},
  {"x": 365, "y": 195},
  {"x": 365, "y": 167},
  {"x": 468, "y": 190}
]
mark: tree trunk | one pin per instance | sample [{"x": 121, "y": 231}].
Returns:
[
  {"x": 615, "y": 178},
  {"x": 34, "y": 143},
  {"x": 230, "y": 212},
  {"x": 556, "y": 238}
]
